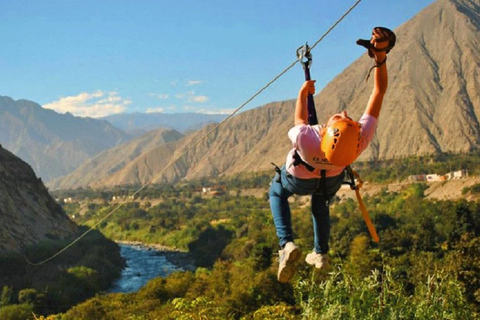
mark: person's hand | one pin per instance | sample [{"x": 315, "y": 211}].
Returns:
[
  {"x": 377, "y": 35},
  {"x": 308, "y": 87}
]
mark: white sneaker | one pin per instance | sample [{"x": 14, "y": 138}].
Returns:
[
  {"x": 317, "y": 259},
  {"x": 289, "y": 257}
]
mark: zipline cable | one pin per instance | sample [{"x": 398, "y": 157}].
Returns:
[{"x": 192, "y": 146}]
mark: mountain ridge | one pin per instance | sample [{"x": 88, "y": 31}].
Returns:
[
  {"x": 28, "y": 214},
  {"x": 432, "y": 106},
  {"x": 52, "y": 143}
]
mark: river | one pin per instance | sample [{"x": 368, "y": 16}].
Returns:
[{"x": 145, "y": 263}]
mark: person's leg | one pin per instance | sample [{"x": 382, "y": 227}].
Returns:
[
  {"x": 289, "y": 254},
  {"x": 321, "y": 212},
  {"x": 321, "y": 223},
  {"x": 280, "y": 208}
]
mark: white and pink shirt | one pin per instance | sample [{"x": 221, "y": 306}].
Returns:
[{"x": 306, "y": 140}]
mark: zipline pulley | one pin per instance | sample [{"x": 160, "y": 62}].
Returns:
[{"x": 305, "y": 58}]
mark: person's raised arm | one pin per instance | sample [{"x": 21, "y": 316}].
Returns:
[
  {"x": 380, "y": 76},
  {"x": 301, "y": 108}
]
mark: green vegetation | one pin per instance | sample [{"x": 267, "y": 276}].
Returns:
[
  {"x": 426, "y": 265},
  {"x": 87, "y": 268},
  {"x": 400, "y": 169},
  {"x": 474, "y": 189}
]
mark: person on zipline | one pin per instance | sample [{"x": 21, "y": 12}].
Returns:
[{"x": 315, "y": 165}]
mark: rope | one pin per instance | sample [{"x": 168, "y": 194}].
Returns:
[
  {"x": 195, "y": 144},
  {"x": 335, "y": 24}
]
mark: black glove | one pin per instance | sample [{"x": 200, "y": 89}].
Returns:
[{"x": 370, "y": 47}]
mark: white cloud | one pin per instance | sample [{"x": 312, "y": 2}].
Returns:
[
  {"x": 193, "y": 82},
  {"x": 161, "y": 96},
  {"x": 155, "y": 110},
  {"x": 198, "y": 99},
  {"x": 191, "y": 97},
  {"x": 208, "y": 111},
  {"x": 96, "y": 104},
  {"x": 180, "y": 96}
]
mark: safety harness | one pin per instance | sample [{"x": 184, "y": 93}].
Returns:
[{"x": 305, "y": 57}]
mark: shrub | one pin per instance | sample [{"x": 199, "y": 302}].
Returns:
[{"x": 16, "y": 312}]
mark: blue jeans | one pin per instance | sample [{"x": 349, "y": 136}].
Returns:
[{"x": 283, "y": 186}]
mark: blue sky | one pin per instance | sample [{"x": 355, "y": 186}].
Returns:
[{"x": 94, "y": 58}]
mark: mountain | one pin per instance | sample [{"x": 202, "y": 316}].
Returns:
[
  {"x": 433, "y": 100},
  {"x": 230, "y": 149},
  {"x": 115, "y": 159},
  {"x": 53, "y": 144},
  {"x": 182, "y": 122},
  {"x": 28, "y": 214},
  {"x": 238, "y": 147},
  {"x": 432, "y": 105}
]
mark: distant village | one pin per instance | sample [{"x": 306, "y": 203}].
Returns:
[
  {"x": 454, "y": 175},
  {"x": 207, "y": 191},
  {"x": 221, "y": 190}
]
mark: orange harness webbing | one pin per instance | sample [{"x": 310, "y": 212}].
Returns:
[{"x": 366, "y": 216}]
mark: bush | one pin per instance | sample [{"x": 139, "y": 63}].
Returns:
[
  {"x": 473, "y": 189},
  {"x": 382, "y": 296},
  {"x": 28, "y": 296},
  {"x": 16, "y": 312},
  {"x": 7, "y": 296}
]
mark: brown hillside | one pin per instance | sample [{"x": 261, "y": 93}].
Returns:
[
  {"x": 432, "y": 105},
  {"x": 28, "y": 214}
]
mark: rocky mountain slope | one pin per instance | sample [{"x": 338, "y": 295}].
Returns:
[
  {"x": 53, "y": 144},
  {"x": 28, "y": 214},
  {"x": 116, "y": 159},
  {"x": 432, "y": 105},
  {"x": 433, "y": 101},
  {"x": 232, "y": 148}
]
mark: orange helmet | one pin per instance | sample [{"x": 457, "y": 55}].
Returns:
[{"x": 341, "y": 142}]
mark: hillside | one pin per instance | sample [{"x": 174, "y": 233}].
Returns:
[
  {"x": 433, "y": 101},
  {"x": 441, "y": 190},
  {"x": 28, "y": 214},
  {"x": 112, "y": 160},
  {"x": 432, "y": 106},
  {"x": 53, "y": 144}
]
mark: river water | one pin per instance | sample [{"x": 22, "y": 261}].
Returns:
[{"x": 144, "y": 264}]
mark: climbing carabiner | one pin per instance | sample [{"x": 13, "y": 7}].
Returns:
[{"x": 304, "y": 55}]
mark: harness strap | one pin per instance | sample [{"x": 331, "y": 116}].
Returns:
[
  {"x": 298, "y": 160},
  {"x": 279, "y": 171},
  {"x": 366, "y": 217}
]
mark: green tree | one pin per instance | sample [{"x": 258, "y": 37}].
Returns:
[
  {"x": 261, "y": 257},
  {"x": 463, "y": 223},
  {"x": 16, "y": 312},
  {"x": 27, "y": 296},
  {"x": 361, "y": 259},
  {"x": 209, "y": 245},
  {"x": 200, "y": 308},
  {"x": 466, "y": 252},
  {"x": 7, "y": 296}
]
